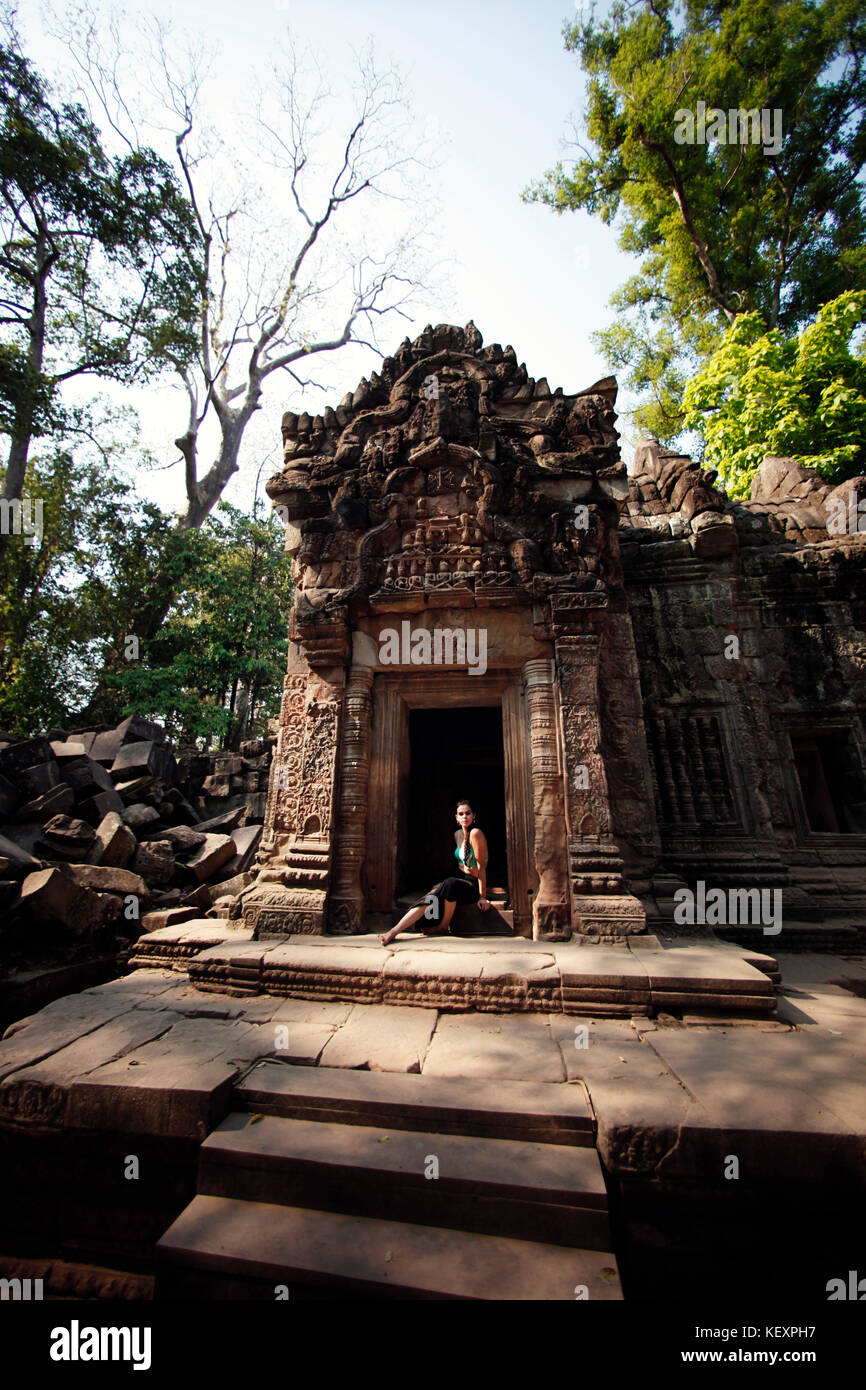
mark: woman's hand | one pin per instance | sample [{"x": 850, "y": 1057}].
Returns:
[{"x": 483, "y": 904}]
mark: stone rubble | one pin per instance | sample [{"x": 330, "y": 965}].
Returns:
[{"x": 109, "y": 833}]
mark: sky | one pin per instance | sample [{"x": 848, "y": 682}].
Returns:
[{"x": 494, "y": 87}]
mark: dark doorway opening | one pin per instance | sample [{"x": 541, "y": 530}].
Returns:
[
  {"x": 832, "y": 782},
  {"x": 454, "y": 753}
]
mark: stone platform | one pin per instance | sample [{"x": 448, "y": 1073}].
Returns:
[
  {"x": 495, "y": 974},
  {"x": 151, "y": 1066}
]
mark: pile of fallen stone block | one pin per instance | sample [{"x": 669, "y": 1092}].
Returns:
[{"x": 107, "y": 833}]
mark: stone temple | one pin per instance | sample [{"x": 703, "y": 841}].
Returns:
[{"x": 639, "y": 683}]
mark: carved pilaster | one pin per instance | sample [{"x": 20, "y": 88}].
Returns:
[
  {"x": 346, "y": 905},
  {"x": 389, "y": 763},
  {"x": 551, "y": 915},
  {"x": 599, "y": 900},
  {"x": 523, "y": 882},
  {"x": 292, "y": 888}
]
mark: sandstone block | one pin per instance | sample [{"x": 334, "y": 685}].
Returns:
[
  {"x": 209, "y": 857},
  {"x": 36, "y": 780},
  {"x": 42, "y": 808},
  {"x": 109, "y": 880},
  {"x": 52, "y": 895},
  {"x": 139, "y": 815},
  {"x": 115, "y": 843},
  {"x": 154, "y": 861},
  {"x": 146, "y": 759},
  {"x": 69, "y": 838}
]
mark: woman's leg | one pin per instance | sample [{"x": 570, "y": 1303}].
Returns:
[{"x": 414, "y": 914}]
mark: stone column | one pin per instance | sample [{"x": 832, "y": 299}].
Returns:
[
  {"x": 389, "y": 749},
  {"x": 346, "y": 905},
  {"x": 523, "y": 880},
  {"x": 551, "y": 914},
  {"x": 292, "y": 887},
  {"x": 600, "y": 902}
]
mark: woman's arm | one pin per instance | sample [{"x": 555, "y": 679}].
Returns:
[{"x": 479, "y": 844}]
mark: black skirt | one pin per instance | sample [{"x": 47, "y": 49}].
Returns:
[{"x": 456, "y": 889}]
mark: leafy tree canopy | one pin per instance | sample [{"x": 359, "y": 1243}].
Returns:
[
  {"x": 724, "y": 227},
  {"x": 800, "y": 395}
]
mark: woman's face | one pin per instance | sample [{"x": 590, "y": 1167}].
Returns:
[{"x": 465, "y": 816}]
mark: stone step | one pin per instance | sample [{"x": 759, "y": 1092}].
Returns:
[
  {"x": 549, "y": 1113},
  {"x": 549, "y": 1192},
  {"x": 220, "y": 1247}
]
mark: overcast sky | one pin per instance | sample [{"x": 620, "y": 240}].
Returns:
[{"x": 492, "y": 77}]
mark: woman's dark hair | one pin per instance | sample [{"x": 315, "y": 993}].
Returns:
[{"x": 464, "y": 801}]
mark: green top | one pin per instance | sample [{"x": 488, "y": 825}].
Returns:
[{"x": 470, "y": 861}]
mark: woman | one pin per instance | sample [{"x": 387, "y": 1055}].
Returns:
[{"x": 468, "y": 885}]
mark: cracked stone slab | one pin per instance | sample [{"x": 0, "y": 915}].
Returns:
[
  {"x": 40, "y": 1093},
  {"x": 518, "y": 1047},
  {"x": 56, "y": 1027},
  {"x": 536, "y": 967},
  {"x": 704, "y": 970},
  {"x": 325, "y": 957},
  {"x": 599, "y": 966},
  {"x": 185, "y": 999},
  {"x": 178, "y": 1084},
  {"x": 327, "y": 1012},
  {"x": 451, "y": 965},
  {"x": 382, "y": 1037}
]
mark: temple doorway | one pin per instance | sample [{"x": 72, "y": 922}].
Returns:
[{"x": 455, "y": 752}]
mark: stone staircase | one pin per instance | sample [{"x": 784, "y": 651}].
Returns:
[
  {"x": 498, "y": 920},
  {"x": 331, "y": 1183}
]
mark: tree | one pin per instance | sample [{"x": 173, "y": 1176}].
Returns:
[
  {"x": 97, "y": 271},
  {"x": 217, "y": 665},
  {"x": 758, "y": 208},
  {"x": 89, "y": 543},
  {"x": 801, "y": 396},
  {"x": 268, "y": 288}
]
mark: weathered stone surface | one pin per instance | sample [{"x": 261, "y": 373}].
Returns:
[
  {"x": 17, "y": 756},
  {"x": 53, "y": 896},
  {"x": 168, "y": 917},
  {"x": 382, "y": 1039},
  {"x": 183, "y": 839},
  {"x": 205, "y": 861},
  {"x": 67, "y": 837},
  {"x": 145, "y": 759},
  {"x": 107, "y": 879},
  {"x": 139, "y": 815},
  {"x": 516, "y": 1048},
  {"x": 19, "y": 859},
  {"x": 115, "y": 843},
  {"x": 54, "y": 802},
  {"x": 154, "y": 861}
]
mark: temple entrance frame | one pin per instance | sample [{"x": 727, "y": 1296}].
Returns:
[{"x": 394, "y": 695}]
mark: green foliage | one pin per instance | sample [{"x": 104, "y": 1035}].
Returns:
[
  {"x": 800, "y": 395},
  {"x": 104, "y": 564},
  {"x": 48, "y": 639},
  {"x": 216, "y": 667},
  {"x": 721, "y": 228},
  {"x": 97, "y": 254}
]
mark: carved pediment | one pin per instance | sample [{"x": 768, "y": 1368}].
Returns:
[{"x": 450, "y": 470}]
